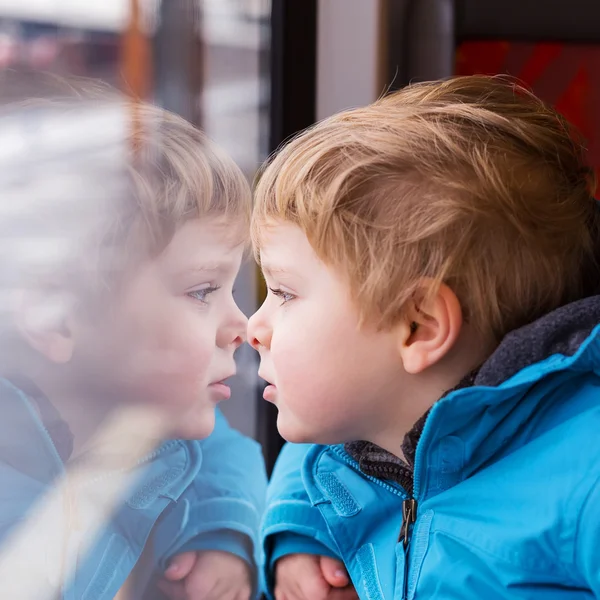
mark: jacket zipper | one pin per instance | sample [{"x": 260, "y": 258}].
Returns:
[
  {"x": 409, "y": 517},
  {"x": 409, "y": 511}
]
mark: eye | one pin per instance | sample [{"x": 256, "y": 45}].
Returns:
[
  {"x": 202, "y": 294},
  {"x": 285, "y": 296}
]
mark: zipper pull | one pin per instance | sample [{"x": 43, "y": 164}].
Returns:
[{"x": 409, "y": 516}]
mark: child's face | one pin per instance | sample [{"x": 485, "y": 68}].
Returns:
[
  {"x": 170, "y": 339},
  {"x": 331, "y": 381}
]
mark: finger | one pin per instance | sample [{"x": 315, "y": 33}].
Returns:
[
  {"x": 180, "y": 566},
  {"x": 218, "y": 592},
  {"x": 172, "y": 590},
  {"x": 233, "y": 595},
  {"x": 299, "y": 577},
  {"x": 314, "y": 588},
  {"x": 200, "y": 591},
  {"x": 203, "y": 584},
  {"x": 334, "y": 572},
  {"x": 212, "y": 594},
  {"x": 348, "y": 593},
  {"x": 287, "y": 594},
  {"x": 244, "y": 594}
]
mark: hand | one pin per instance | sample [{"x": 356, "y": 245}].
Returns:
[
  {"x": 311, "y": 577},
  {"x": 208, "y": 575}
]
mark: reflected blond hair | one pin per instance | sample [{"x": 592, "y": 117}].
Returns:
[
  {"x": 473, "y": 182},
  {"x": 103, "y": 182}
]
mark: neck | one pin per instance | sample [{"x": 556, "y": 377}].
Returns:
[
  {"x": 423, "y": 390},
  {"x": 101, "y": 426},
  {"x": 82, "y": 415},
  {"x": 104, "y": 436}
]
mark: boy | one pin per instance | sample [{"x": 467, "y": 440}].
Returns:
[
  {"x": 120, "y": 245},
  {"x": 431, "y": 326}
]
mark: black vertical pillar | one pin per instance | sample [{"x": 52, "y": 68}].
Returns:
[{"x": 293, "y": 67}]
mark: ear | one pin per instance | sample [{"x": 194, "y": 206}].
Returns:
[
  {"x": 43, "y": 318},
  {"x": 430, "y": 329}
]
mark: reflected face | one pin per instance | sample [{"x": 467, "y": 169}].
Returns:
[
  {"x": 331, "y": 381},
  {"x": 170, "y": 339}
]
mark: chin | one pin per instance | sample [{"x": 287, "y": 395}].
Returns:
[
  {"x": 196, "y": 426},
  {"x": 297, "y": 434}
]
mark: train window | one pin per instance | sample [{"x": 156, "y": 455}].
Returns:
[
  {"x": 556, "y": 51},
  {"x": 116, "y": 456},
  {"x": 204, "y": 59}
]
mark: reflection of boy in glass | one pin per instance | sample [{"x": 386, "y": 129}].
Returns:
[{"x": 118, "y": 259}]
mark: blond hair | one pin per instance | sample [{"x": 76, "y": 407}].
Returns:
[
  {"x": 98, "y": 182},
  {"x": 473, "y": 182}
]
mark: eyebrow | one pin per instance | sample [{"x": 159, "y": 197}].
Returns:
[
  {"x": 272, "y": 269},
  {"x": 275, "y": 272},
  {"x": 205, "y": 269}
]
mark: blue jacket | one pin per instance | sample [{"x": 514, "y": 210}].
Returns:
[
  {"x": 506, "y": 484},
  {"x": 187, "y": 495}
]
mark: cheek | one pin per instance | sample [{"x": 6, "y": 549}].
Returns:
[
  {"x": 313, "y": 341},
  {"x": 184, "y": 348},
  {"x": 315, "y": 360},
  {"x": 170, "y": 353},
  {"x": 331, "y": 378}
]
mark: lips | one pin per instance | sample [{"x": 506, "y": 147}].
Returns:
[
  {"x": 270, "y": 393},
  {"x": 220, "y": 389},
  {"x": 222, "y": 379}
]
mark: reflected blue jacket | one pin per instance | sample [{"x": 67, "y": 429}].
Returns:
[
  {"x": 506, "y": 484},
  {"x": 187, "y": 495}
]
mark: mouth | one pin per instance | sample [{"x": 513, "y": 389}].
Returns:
[
  {"x": 220, "y": 389},
  {"x": 270, "y": 393},
  {"x": 270, "y": 390}
]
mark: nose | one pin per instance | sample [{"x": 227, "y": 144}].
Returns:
[
  {"x": 234, "y": 334},
  {"x": 259, "y": 331},
  {"x": 239, "y": 340}
]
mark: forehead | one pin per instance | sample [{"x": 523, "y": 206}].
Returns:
[
  {"x": 205, "y": 242},
  {"x": 284, "y": 245},
  {"x": 287, "y": 256}
]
